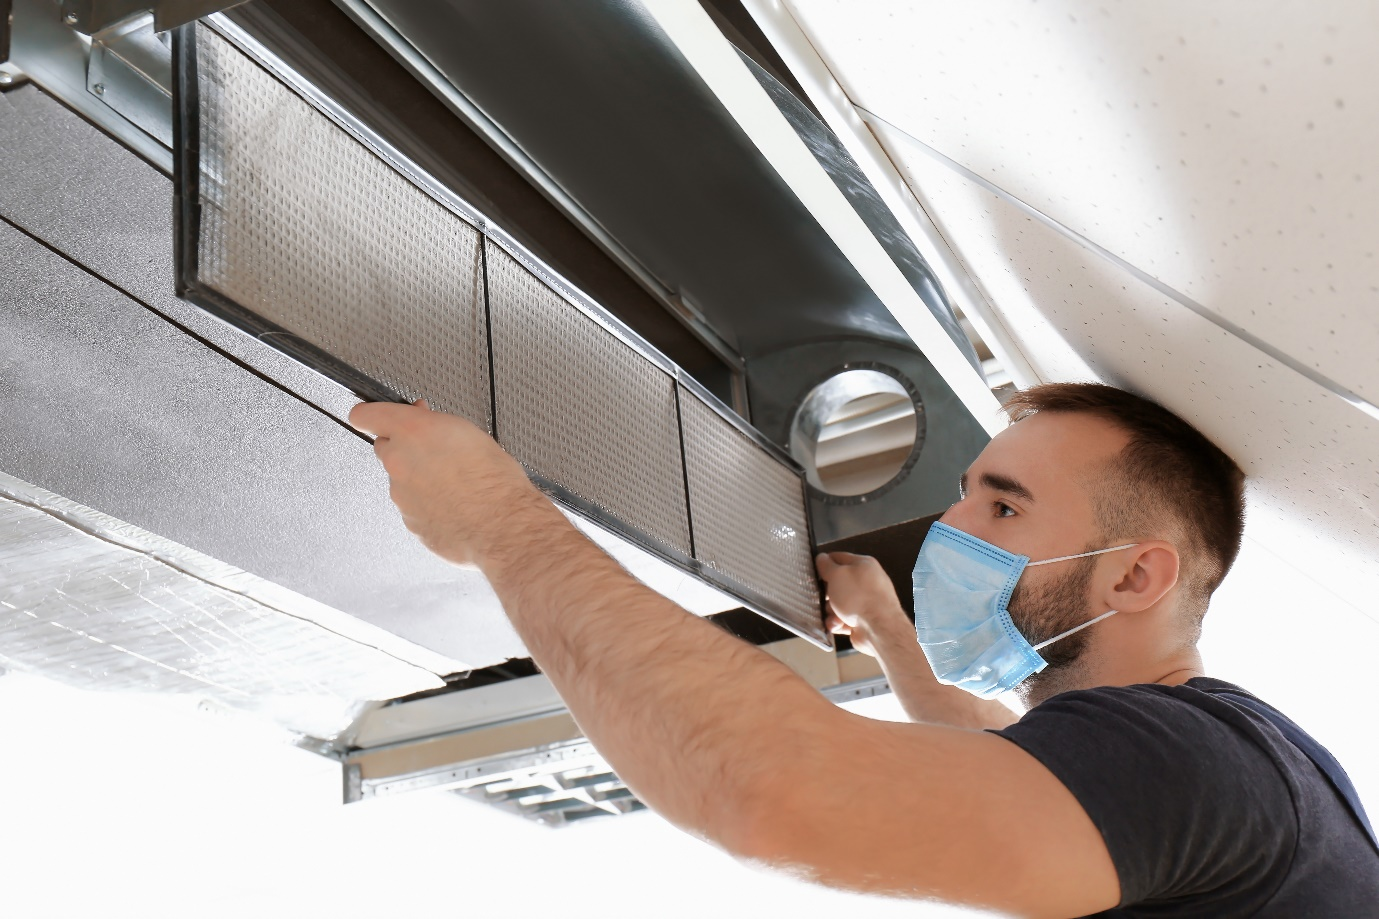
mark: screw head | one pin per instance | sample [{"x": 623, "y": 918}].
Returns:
[
  {"x": 99, "y": 89},
  {"x": 70, "y": 19}
]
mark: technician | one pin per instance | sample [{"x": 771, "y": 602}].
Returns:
[{"x": 1074, "y": 571}]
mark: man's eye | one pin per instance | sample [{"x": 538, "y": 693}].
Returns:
[{"x": 1003, "y": 510}]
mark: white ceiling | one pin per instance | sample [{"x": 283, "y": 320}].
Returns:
[
  {"x": 145, "y": 808},
  {"x": 1177, "y": 197}
]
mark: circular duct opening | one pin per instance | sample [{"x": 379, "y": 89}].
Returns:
[{"x": 857, "y": 432}]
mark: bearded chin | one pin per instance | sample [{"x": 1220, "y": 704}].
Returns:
[{"x": 1041, "y": 611}]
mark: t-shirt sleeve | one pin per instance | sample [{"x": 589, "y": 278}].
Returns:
[{"x": 1186, "y": 803}]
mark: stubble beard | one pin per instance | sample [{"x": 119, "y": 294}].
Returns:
[{"x": 1041, "y": 611}]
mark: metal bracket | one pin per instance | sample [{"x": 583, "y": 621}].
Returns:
[
  {"x": 11, "y": 76},
  {"x": 91, "y": 16},
  {"x": 6, "y": 22},
  {"x": 130, "y": 70},
  {"x": 130, "y": 105}
]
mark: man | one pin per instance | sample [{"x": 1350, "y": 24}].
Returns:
[{"x": 1134, "y": 785}]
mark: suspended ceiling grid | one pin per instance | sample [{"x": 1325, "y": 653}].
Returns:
[{"x": 1218, "y": 156}]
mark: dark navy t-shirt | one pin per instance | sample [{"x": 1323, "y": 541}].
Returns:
[{"x": 1207, "y": 810}]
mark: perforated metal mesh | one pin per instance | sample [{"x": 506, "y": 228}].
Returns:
[
  {"x": 749, "y": 515},
  {"x": 307, "y": 228},
  {"x": 304, "y": 226},
  {"x": 583, "y": 408}
]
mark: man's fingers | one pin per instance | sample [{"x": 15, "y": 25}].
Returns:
[
  {"x": 378, "y": 418},
  {"x": 847, "y": 558},
  {"x": 386, "y": 451},
  {"x": 830, "y": 561}
]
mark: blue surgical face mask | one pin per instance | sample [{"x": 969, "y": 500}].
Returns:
[{"x": 962, "y": 585}]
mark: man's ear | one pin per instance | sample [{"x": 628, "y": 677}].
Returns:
[{"x": 1146, "y": 573}]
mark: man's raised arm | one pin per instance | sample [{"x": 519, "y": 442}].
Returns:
[{"x": 722, "y": 739}]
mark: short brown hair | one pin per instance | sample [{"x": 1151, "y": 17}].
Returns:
[{"x": 1169, "y": 477}]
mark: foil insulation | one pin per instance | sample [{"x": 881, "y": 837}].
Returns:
[{"x": 96, "y": 603}]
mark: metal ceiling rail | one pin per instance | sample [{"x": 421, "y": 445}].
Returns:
[
  {"x": 717, "y": 62},
  {"x": 774, "y": 19}
]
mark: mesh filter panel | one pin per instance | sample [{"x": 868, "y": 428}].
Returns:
[
  {"x": 582, "y": 408},
  {"x": 749, "y": 516},
  {"x": 305, "y": 227}
]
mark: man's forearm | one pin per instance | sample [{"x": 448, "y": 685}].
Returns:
[
  {"x": 923, "y": 697},
  {"x": 689, "y": 716}
]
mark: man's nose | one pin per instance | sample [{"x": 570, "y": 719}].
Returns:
[{"x": 957, "y": 514}]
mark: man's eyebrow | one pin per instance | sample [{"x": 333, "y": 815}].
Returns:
[{"x": 997, "y": 482}]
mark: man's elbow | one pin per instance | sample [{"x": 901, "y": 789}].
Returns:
[{"x": 770, "y": 826}]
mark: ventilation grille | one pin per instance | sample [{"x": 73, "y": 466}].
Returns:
[
  {"x": 302, "y": 228},
  {"x": 749, "y": 515},
  {"x": 556, "y": 792}
]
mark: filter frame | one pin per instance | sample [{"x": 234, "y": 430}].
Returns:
[{"x": 186, "y": 232}]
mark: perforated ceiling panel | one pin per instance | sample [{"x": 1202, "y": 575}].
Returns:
[
  {"x": 308, "y": 230},
  {"x": 749, "y": 515},
  {"x": 1225, "y": 150},
  {"x": 582, "y": 408},
  {"x": 1209, "y": 240}
]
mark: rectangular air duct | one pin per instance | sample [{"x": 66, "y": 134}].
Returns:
[{"x": 300, "y": 226}]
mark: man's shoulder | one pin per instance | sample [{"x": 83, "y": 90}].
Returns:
[
  {"x": 1188, "y": 799},
  {"x": 1175, "y": 720}
]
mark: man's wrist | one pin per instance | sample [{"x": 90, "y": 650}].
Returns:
[
  {"x": 528, "y": 525},
  {"x": 892, "y": 630}
]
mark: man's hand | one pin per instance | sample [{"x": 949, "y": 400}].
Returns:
[
  {"x": 863, "y": 605},
  {"x": 862, "y": 602},
  {"x": 456, "y": 488}
]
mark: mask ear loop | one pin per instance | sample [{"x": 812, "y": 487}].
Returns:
[
  {"x": 1064, "y": 558},
  {"x": 1045, "y": 644}
]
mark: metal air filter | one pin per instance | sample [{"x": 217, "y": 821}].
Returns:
[
  {"x": 750, "y": 524},
  {"x": 580, "y": 407},
  {"x": 304, "y": 237},
  {"x": 300, "y": 226}
]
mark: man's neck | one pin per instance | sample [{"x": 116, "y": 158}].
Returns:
[{"x": 1089, "y": 674}]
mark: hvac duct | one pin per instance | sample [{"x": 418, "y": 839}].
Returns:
[{"x": 301, "y": 227}]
